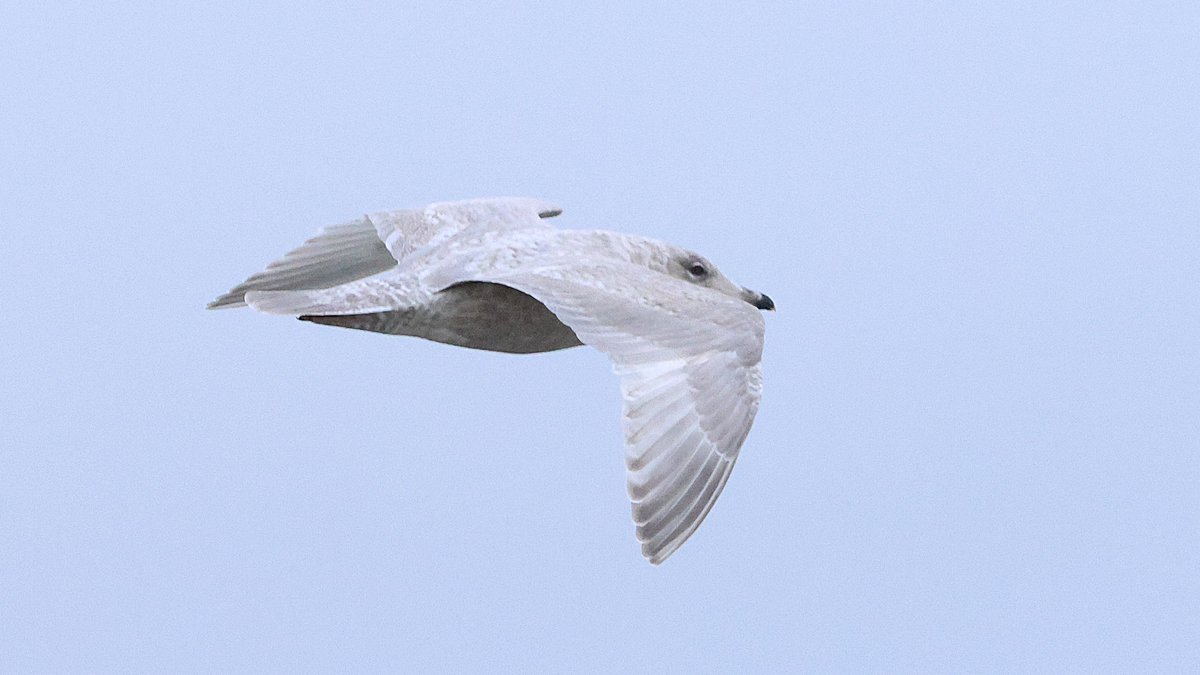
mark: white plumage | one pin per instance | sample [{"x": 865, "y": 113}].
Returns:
[{"x": 490, "y": 274}]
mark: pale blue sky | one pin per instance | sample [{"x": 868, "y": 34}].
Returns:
[{"x": 977, "y": 448}]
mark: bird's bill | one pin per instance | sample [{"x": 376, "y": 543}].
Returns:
[{"x": 759, "y": 300}]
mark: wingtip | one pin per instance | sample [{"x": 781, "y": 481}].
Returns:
[
  {"x": 227, "y": 302},
  {"x": 657, "y": 558}
]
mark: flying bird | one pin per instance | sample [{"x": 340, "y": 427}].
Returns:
[{"x": 493, "y": 274}]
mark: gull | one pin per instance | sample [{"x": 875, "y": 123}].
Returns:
[{"x": 492, "y": 274}]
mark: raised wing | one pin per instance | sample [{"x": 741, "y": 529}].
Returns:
[
  {"x": 408, "y": 230},
  {"x": 345, "y": 253},
  {"x": 338, "y": 254},
  {"x": 688, "y": 359}
]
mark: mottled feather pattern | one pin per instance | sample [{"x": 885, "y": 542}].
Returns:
[{"x": 491, "y": 274}]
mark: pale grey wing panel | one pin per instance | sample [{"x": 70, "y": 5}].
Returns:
[
  {"x": 405, "y": 231},
  {"x": 688, "y": 359},
  {"x": 685, "y": 422},
  {"x": 336, "y": 255}
]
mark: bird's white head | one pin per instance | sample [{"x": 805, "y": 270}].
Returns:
[{"x": 696, "y": 269}]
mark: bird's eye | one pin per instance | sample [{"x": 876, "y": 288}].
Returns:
[{"x": 697, "y": 270}]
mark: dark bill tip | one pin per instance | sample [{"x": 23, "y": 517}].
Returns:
[{"x": 765, "y": 302}]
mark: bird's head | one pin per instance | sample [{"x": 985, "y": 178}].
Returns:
[{"x": 696, "y": 269}]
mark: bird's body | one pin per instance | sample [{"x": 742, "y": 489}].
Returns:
[
  {"x": 472, "y": 314},
  {"x": 491, "y": 274}
]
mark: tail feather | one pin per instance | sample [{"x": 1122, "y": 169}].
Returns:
[
  {"x": 361, "y": 297},
  {"x": 393, "y": 323}
]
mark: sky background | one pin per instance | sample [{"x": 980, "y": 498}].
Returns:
[{"x": 977, "y": 446}]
